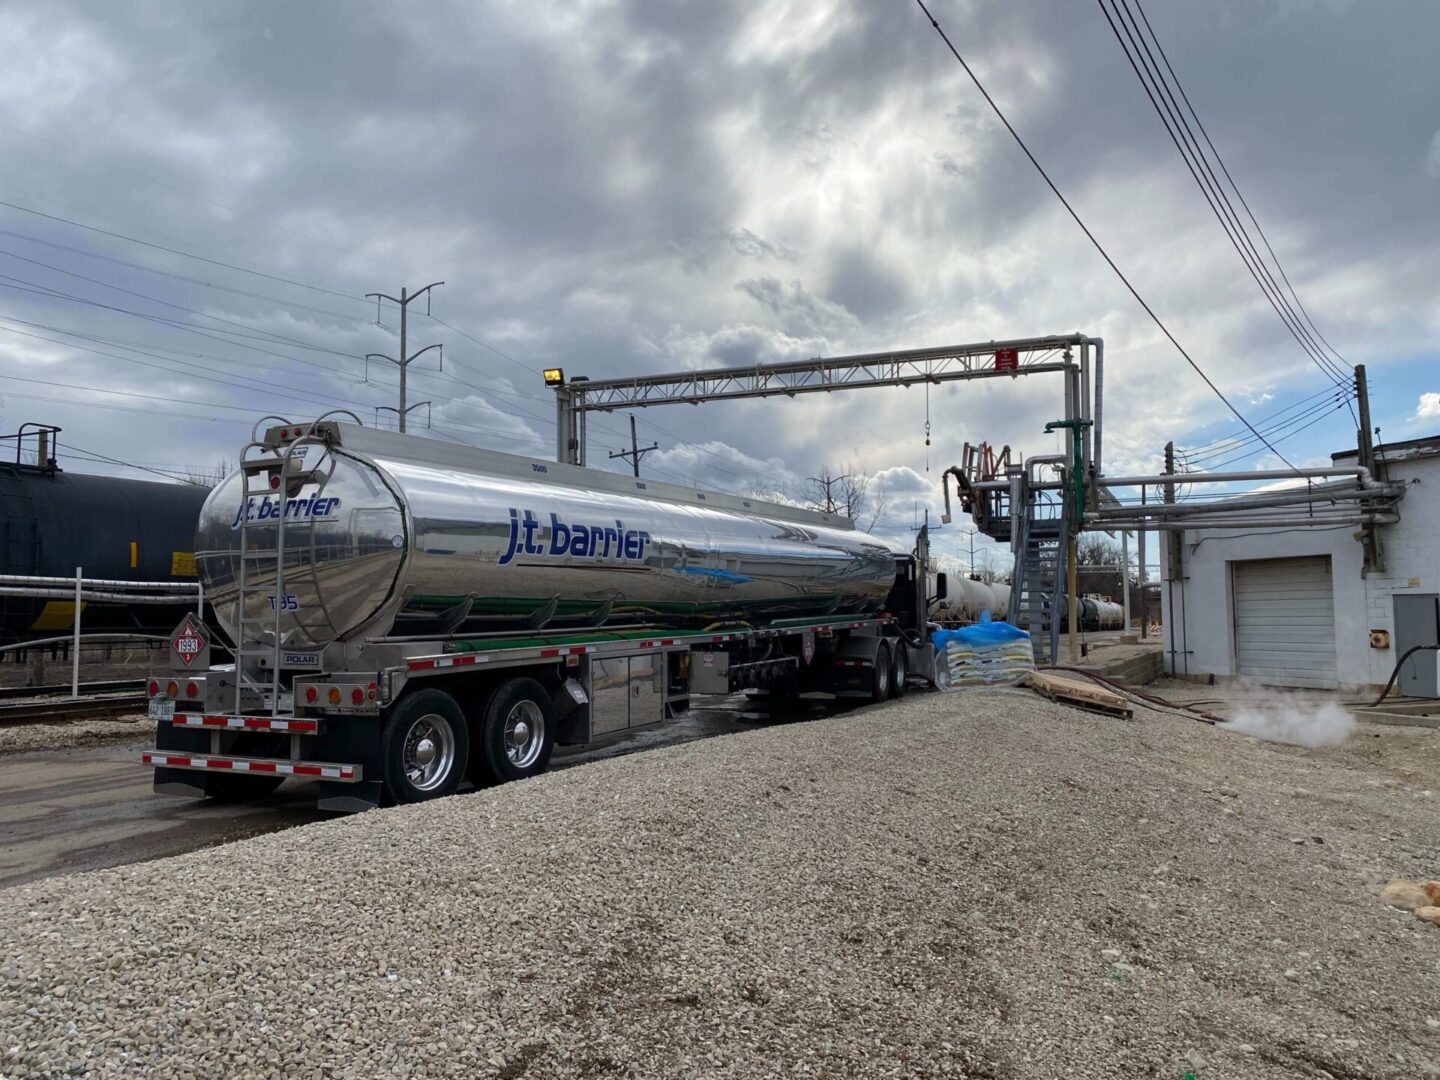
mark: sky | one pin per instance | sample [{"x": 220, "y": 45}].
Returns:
[{"x": 198, "y": 196}]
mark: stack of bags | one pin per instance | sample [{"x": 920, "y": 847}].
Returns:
[{"x": 986, "y": 654}]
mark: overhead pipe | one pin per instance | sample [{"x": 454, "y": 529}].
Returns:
[
  {"x": 1361, "y": 473},
  {"x": 1297, "y": 498},
  {"x": 1267, "y": 523}
]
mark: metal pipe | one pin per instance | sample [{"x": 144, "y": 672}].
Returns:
[
  {"x": 75, "y": 645},
  {"x": 1085, "y": 457},
  {"x": 1301, "y": 496},
  {"x": 1099, "y": 344},
  {"x": 91, "y": 596},
  {"x": 105, "y": 583},
  {"x": 1265, "y": 523},
  {"x": 1360, "y": 473},
  {"x": 1043, "y": 459}
]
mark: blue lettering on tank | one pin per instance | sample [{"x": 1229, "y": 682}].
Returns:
[{"x": 571, "y": 539}]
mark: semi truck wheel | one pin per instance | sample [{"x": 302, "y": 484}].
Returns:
[
  {"x": 899, "y": 669},
  {"x": 880, "y": 687},
  {"x": 517, "y": 733},
  {"x": 425, "y": 747}
]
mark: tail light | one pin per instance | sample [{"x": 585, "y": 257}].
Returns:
[
  {"x": 357, "y": 696},
  {"x": 334, "y": 695},
  {"x": 172, "y": 688},
  {"x": 312, "y": 695},
  {"x": 191, "y": 690},
  {"x": 154, "y": 688}
]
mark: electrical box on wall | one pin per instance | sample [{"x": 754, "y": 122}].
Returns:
[{"x": 1379, "y": 639}]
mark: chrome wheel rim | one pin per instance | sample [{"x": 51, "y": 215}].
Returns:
[
  {"x": 899, "y": 672},
  {"x": 882, "y": 673},
  {"x": 429, "y": 754},
  {"x": 524, "y": 734}
]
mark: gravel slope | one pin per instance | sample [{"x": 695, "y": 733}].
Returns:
[
  {"x": 20, "y": 738},
  {"x": 978, "y": 884}
]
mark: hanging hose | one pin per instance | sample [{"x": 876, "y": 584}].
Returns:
[
  {"x": 1396, "y": 672},
  {"x": 1138, "y": 696}
]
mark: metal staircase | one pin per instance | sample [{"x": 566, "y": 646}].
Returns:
[{"x": 1037, "y": 591}]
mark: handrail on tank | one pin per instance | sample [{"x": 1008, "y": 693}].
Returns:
[{"x": 256, "y": 427}]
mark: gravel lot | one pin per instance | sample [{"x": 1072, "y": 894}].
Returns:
[
  {"x": 21, "y": 738},
  {"x": 979, "y": 884}
]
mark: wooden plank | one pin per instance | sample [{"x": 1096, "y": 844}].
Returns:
[{"x": 1078, "y": 693}]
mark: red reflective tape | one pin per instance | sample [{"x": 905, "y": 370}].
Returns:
[
  {"x": 421, "y": 665},
  {"x": 262, "y": 766},
  {"x": 549, "y": 652},
  {"x": 307, "y": 770},
  {"x": 465, "y": 659},
  {"x": 576, "y": 650}
]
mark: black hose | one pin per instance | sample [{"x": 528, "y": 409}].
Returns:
[{"x": 1396, "y": 672}]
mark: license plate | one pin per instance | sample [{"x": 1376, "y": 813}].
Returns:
[{"x": 162, "y": 708}]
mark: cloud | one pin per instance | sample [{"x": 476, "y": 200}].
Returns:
[
  {"x": 1429, "y": 405},
  {"x": 799, "y": 310},
  {"x": 623, "y": 187},
  {"x": 1432, "y": 159}
]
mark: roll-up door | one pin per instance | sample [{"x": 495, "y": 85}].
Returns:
[{"x": 1285, "y": 621}]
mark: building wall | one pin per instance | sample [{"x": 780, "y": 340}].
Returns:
[{"x": 1200, "y": 630}]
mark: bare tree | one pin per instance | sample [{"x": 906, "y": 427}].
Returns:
[
  {"x": 846, "y": 492},
  {"x": 207, "y": 478},
  {"x": 1098, "y": 567}
]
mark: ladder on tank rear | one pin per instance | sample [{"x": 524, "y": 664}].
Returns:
[{"x": 277, "y": 468}]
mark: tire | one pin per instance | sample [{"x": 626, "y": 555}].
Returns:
[
  {"x": 880, "y": 684},
  {"x": 425, "y": 747},
  {"x": 516, "y": 733},
  {"x": 899, "y": 669}
]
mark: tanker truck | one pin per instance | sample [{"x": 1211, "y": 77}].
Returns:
[{"x": 405, "y": 615}]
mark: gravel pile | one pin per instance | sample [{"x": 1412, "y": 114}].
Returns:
[
  {"x": 978, "y": 884},
  {"x": 21, "y": 738}
]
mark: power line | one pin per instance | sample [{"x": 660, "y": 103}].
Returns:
[
  {"x": 190, "y": 194},
  {"x": 1088, "y": 234},
  {"x": 1235, "y": 187},
  {"x": 177, "y": 251},
  {"x": 1177, "y": 127}
]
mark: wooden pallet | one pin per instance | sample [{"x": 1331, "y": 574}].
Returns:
[{"x": 1079, "y": 693}]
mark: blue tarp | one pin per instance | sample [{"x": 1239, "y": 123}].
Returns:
[{"x": 986, "y": 634}]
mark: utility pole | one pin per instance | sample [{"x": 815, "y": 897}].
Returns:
[
  {"x": 1365, "y": 444},
  {"x": 1173, "y": 570},
  {"x": 403, "y": 363},
  {"x": 825, "y": 485},
  {"x": 1144, "y": 577},
  {"x": 636, "y": 451}
]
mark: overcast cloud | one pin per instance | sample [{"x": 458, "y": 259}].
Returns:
[{"x": 627, "y": 187}]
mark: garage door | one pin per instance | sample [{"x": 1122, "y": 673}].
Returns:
[{"x": 1285, "y": 621}]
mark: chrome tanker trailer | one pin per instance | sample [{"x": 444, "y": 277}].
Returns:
[{"x": 406, "y": 613}]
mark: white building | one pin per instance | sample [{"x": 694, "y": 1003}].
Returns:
[{"x": 1291, "y": 607}]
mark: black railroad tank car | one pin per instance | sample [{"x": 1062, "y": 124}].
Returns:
[{"x": 52, "y": 521}]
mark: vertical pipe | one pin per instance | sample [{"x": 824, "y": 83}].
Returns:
[
  {"x": 580, "y": 437},
  {"x": 563, "y": 418},
  {"x": 1085, "y": 433},
  {"x": 1099, "y": 401},
  {"x": 200, "y": 600},
  {"x": 1144, "y": 577},
  {"x": 75, "y": 643},
  {"x": 1125, "y": 574},
  {"x": 1072, "y": 608}
]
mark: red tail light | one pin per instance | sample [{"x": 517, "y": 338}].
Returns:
[
  {"x": 312, "y": 695},
  {"x": 191, "y": 689},
  {"x": 357, "y": 696},
  {"x": 154, "y": 688}
]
